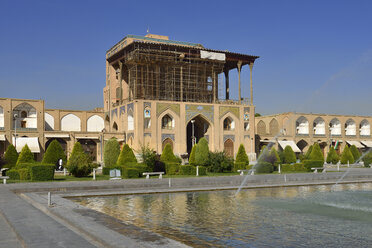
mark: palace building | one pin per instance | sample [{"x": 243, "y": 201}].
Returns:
[{"x": 160, "y": 91}]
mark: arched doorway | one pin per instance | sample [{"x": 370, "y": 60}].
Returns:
[
  {"x": 228, "y": 148},
  {"x": 200, "y": 125},
  {"x": 167, "y": 141}
]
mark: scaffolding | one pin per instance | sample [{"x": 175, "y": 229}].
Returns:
[{"x": 155, "y": 72}]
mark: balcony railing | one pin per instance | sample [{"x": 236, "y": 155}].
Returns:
[{"x": 25, "y": 129}]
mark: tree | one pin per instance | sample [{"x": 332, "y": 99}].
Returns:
[
  {"x": 308, "y": 152},
  {"x": 289, "y": 155},
  {"x": 126, "y": 156},
  {"x": 78, "y": 163},
  {"x": 111, "y": 152},
  {"x": 149, "y": 157},
  {"x": 241, "y": 156},
  {"x": 274, "y": 156},
  {"x": 11, "y": 156},
  {"x": 192, "y": 155},
  {"x": 257, "y": 115},
  {"x": 332, "y": 156},
  {"x": 53, "y": 153},
  {"x": 167, "y": 154},
  {"x": 202, "y": 152},
  {"x": 347, "y": 156},
  {"x": 316, "y": 153},
  {"x": 356, "y": 154},
  {"x": 25, "y": 156}
]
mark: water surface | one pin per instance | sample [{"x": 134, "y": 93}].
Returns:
[{"x": 308, "y": 216}]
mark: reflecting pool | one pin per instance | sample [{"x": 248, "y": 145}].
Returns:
[{"x": 308, "y": 216}]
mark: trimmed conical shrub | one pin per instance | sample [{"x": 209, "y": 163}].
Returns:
[
  {"x": 332, "y": 156},
  {"x": 11, "y": 156},
  {"x": 192, "y": 155},
  {"x": 126, "y": 156},
  {"x": 111, "y": 152},
  {"x": 308, "y": 152},
  {"x": 316, "y": 153},
  {"x": 356, "y": 154},
  {"x": 25, "y": 156},
  {"x": 289, "y": 155},
  {"x": 241, "y": 156},
  {"x": 167, "y": 155},
  {"x": 274, "y": 156},
  {"x": 347, "y": 156},
  {"x": 78, "y": 163},
  {"x": 53, "y": 153},
  {"x": 202, "y": 152}
]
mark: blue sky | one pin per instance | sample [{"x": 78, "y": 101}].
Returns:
[{"x": 315, "y": 56}]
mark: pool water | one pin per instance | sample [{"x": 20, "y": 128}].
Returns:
[{"x": 308, "y": 216}]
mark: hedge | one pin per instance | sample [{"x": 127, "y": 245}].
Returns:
[
  {"x": 24, "y": 174},
  {"x": 239, "y": 166},
  {"x": 264, "y": 167},
  {"x": 13, "y": 174},
  {"x": 171, "y": 168},
  {"x": 308, "y": 164},
  {"x": 42, "y": 172},
  {"x": 292, "y": 167},
  {"x": 202, "y": 171},
  {"x": 111, "y": 152},
  {"x": 188, "y": 170},
  {"x": 130, "y": 173},
  {"x": 106, "y": 169}
]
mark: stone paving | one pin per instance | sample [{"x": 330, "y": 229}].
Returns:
[{"x": 27, "y": 221}]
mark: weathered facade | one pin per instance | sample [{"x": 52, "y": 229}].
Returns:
[
  {"x": 303, "y": 130},
  {"x": 160, "y": 91}
]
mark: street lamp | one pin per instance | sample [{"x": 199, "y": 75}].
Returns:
[
  {"x": 15, "y": 116},
  {"x": 192, "y": 135}
]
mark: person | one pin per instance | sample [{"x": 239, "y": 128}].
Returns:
[{"x": 60, "y": 163}]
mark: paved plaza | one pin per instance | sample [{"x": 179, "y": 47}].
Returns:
[{"x": 27, "y": 221}]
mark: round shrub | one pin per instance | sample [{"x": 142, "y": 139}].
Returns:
[
  {"x": 126, "y": 156},
  {"x": 219, "y": 162},
  {"x": 78, "y": 163},
  {"x": 347, "y": 156},
  {"x": 367, "y": 159},
  {"x": 111, "y": 152},
  {"x": 202, "y": 152},
  {"x": 11, "y": 156},
  {"x": 241, "y": 156},
  {"x": 53, "y": 153},
  {"x": 316, "y": 153},
  {"x": 25, "y": 156},
  {"x": 289, "y": 155},
  {"x": 167, "y": 154},
  {"x": 263, "y": 167}
]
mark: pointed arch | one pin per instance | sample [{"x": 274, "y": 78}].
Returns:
[
  {"x": 228, "y": 147},
  {"x": 228, "y": 123},
  {"x": 130, "y": 120},
  {"x": 350, "y": 127},
  {"x": 167, "y": 141},
  {"x": 302, "y": 126},
  {"x": 261, "y": 128},
  {"x": 115, "y": 126},
  {"x": 335, "y": 127},
  {"x": 167, "y": 122},
  {"x": 365, "y": 128},
  {"x": 26, "y": 116},
  {"x": 49, "y": 122},
  {"x": 1, "y": 117},
  {"x": 273, "y": 127},
  {"x": 319, "y": 126},
  {"x": 95, "y": 123},
  {"x": 70, "y": 122}
]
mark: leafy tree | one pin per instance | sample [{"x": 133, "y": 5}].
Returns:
[
  {"x": 25, "y": 156},
  {"x": 332, "y": 156},
  {"x": 53, "y": 153},
  {"x": 11, "y": 156},
  {"x": 289, "y": 155},
  {"x": 273, "y": 156},
  {"x": 316, "y": 153},
  {"x": 202, "y": 152},
  {"x": 78, "y": 163},
  {"x": 308, "y": 152},
  {"x": 111, "y": 152},
  {"x": 167, "y": 154},
  {"x": 126, "y": 156},
  {"x": 219, "y": 162},
  {"x": 241, "y": 156},
  {"x": 257, "y": 115},
  {"x": 149, "y": 157},
  {"x": 347, "y": 156},
  {"x": 367, "y": 159},
  {"x": 192, "y": 155},
  {"x": 356, "y": 154}
]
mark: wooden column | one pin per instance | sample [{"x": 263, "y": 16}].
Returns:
[
  {"x": 181, "y": 84},
  {"x": 120, "y": 81},
  {"x": 250, "y": 69},
  {"x": 239, "y": 67},
  {"x": 227, "y": 83}
]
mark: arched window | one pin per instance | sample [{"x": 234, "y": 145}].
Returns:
[
  {"x": 1, "y": 117},
  {"x": 130, "y": 121},
  {"x": 335, "y": 127},
  {"x": 49, "y": 122},
  {"x": 274, "y": 127},
  {"x": 302, "y": 126},
  {"x": 167, "y": 122},
  {"x": 70, "y": 122},
  {"x": 261, "y": 128},
  {"x": 95, "y": 123},
  {"x": 365, "y": 128},
  {"x": 115, "y": 126},
  {"x": 350, "y": 127},
  {"x": 26, "y": 116},
  {"x": 319, "y": 126},
  {"x": 228, "y": 124}
]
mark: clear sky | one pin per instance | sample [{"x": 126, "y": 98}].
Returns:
[{"x": 315, "y": 56}]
